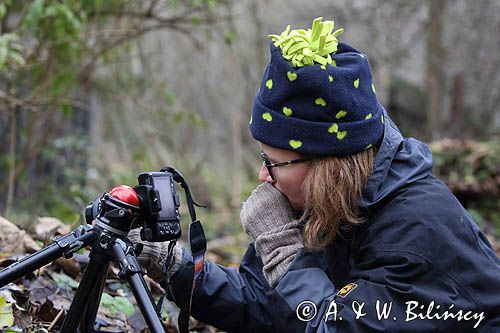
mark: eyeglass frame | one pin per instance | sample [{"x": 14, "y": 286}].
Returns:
[{"x": 270, "y": 166}]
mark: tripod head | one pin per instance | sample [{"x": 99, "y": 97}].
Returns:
[{"x": 116, "y": 210}]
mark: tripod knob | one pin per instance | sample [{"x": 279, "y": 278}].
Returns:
[{"x": 125, "y": 194}]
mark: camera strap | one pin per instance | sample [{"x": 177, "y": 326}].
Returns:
[
  {"x": 198, "y": 244},
  {"x": 185, "y": 283}
]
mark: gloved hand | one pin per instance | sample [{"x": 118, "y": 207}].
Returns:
[
  {"x": 267, "y": 218},
  {"x": 154, "y": 255}
]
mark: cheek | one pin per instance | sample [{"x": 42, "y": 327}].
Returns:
[{"x": 291, "y": 187}]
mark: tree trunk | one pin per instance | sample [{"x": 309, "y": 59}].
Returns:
[
  {"x": 457, "y": 105},
  {"x": 435, "y": 72},
  {"x": 12, "y": 160}
]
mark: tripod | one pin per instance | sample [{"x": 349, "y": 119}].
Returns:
[{"x": 108, "y": 242}]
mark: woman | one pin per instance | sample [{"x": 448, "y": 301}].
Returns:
[{"x": 350, "y": 230}]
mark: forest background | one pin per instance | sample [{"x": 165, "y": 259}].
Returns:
[{"x": 94, "y": 92}]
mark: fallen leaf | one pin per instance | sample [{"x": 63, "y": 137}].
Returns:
[
  {"x": 49, "y": 227},
  {"x": 64, "y": 281},
  {"x": 6, "y": 314},
  {"x": 15, "y": 240}
]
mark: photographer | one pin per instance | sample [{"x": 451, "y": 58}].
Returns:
[{"x": 350, "y": 231}]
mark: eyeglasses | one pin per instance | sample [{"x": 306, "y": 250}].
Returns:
[{"x": 270, "y": 165}]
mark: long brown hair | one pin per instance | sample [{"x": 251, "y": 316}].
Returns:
[{"x": 332, "y": 189}]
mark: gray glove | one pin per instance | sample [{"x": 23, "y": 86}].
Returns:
[
  {"x": 267, "y": 218},
  {"x": 154, "y": 256}
]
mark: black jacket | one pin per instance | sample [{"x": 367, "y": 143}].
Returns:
[{"x": 419, "y": 253}]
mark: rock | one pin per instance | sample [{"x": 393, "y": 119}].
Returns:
[
  {"x": 49, "y": 227},
  {"x": 14, "y": 240}
]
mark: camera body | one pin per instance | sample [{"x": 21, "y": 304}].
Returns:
[
  {"x": 159, "y": 207},
  {"x": 155, "y": 208}
]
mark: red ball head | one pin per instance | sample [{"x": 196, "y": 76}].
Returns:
[{"x": 126, "y": 194}]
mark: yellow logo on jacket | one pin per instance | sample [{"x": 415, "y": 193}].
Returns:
[{"x": 346, "y": 290}]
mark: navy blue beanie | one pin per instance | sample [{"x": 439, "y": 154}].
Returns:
[{"x": 318, "y": 109}]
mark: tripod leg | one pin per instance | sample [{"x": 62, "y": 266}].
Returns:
[
  {"x": 88, "y": 319},
  {"x": 131, "y": 270},
  {"x": 63, "y": 246},
  {"x": 87, "y": 296}
]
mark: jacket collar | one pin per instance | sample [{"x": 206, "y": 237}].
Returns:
[{"x": 398, "y": 163}]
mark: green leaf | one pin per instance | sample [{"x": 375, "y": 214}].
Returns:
[
  {"x": 98, "y": 4},
  {"x": 229, "y": 37},
  {"x": 169, "y": 96},
  {"x": 196, "y": 3},
  {"x": 64, "y": 281},
  {"x": 196, "y": 21},
  {"x": 10, "y": 49},
  {"x": 62, "y": 82},
  {"x": 179, "y": 116},
  {"x": 67, "y": 110},
  {"x": 3, "y": 10},
  {"x": 123, "y": 304},
  {"x": 6, "y": 315},
  {"x": 113, "y": 305},
  {"x": 34, "y": 15},
  {"x": 17, "y": 58},
  {"x": 4, "y": 51}
]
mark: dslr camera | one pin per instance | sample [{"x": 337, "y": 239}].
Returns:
[{"x": 157, "y": 211}]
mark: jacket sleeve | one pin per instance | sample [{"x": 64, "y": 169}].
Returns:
[
  {"x": 305, "y": 291},
  {"x": 230, "y": 299}
]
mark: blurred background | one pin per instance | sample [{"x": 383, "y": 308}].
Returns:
[{"x": 94, "y": 92}]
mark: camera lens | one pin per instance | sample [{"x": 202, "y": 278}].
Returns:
[{"x": 92, "y": 210}]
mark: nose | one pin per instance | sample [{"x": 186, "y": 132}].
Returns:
[{"x": 264, "y": 176}]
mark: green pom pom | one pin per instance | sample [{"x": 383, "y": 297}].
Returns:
[{"x": 309, "y": 47}]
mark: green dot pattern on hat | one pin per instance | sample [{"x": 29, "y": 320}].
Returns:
[
  {"x": 323, "y": 67},
  {"x": 382, "y": 119},
  {"x": 330, "y": 78},
  {"x": 287, "y": 111},
  {"x": 320, "y": 101},
  {"x": 333, "y": 129},
  {"x": 356, "y": 83},
  {"x": 269, "y": 84},
  {"x": 267, "y": 116},
  {"x": 340, "y": 114},
  {"x": 373, "y": 88},
  {"x": 368, "y": 116},
  {"x": 295, "y": 144},
  {"x": 291, "y": 76},
  {"x": 369, "y": 146},
  {"x": 341, "y": 135}
]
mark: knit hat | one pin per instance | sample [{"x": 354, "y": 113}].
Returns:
[{"x": 317, "y": 95}]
